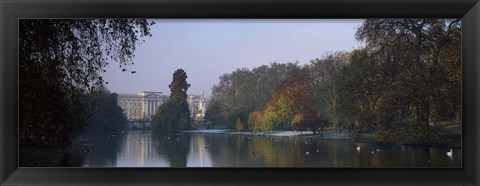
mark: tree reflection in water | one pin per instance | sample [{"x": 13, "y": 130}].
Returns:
[
  {"x": 95, "y": 152},
  {"x": 174, "y": 147},
  {"x": 262, "y": 151},
  {"x": 145, "y": 149}
]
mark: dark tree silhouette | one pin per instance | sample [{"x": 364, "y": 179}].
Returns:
[{"x": 60, "y": 60}]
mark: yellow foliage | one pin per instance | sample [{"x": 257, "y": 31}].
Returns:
[
  {"x": 255, "y": 121},
  {"x": 239, "y": 125},
  {"x": 297, "y": 119}
]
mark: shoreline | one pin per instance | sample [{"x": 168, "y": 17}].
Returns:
[
  {"x": 298, "y": 134},
  {"x": 365, "y": 138}
]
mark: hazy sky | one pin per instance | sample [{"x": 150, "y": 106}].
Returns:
[{"x": 206, "y": 49}]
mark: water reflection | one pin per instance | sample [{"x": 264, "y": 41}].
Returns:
[
  {"x": 199, "y": 155},
  {"x": 261, "y": 151},
  {"x": 98, "y": 152},
  {"x": 139, "y": 150},
  {"x": 143, "y": 149},
  {"x": 174, "y": 148}
]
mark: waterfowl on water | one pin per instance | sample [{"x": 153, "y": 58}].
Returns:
[{"x": 450, "y": 153}]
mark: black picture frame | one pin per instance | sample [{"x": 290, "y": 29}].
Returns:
[{"x": 11, "y": 11}]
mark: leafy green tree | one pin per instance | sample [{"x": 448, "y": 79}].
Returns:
[
  {"x": 325, "y": 74},
  {"x": 172, "y": 116},
  {"x": 214, "y": 113},
  {"x": 235, "y": 114},
  {"x": 179, "y": 85},
  {"x": 359, "y": 88}
]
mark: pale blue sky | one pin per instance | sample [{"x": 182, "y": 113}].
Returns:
[{"x": 206, "y": 49}]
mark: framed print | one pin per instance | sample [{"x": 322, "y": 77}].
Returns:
[{"x": 248, "y": 92}]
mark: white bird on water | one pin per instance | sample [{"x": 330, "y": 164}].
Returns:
[
  {"x": 450, "y": 153},
  {"x": 358, "y": 148}
]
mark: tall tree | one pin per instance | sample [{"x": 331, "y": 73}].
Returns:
[
  {"x": 407, "y": 78},
  {"x": 325, "y": 74},
  {"x": 423, "y": 58},
  {"x": 78, "y": 50},
  {"x": 214, "y": 113},
  {"x": 179, "y": 85},
  {"x": 59, "y": 61},
  {"x": 358, "y": 89},
  {"x": 174, "y": 115}
]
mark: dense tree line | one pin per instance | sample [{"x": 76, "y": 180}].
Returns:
[
  {"x": 244, "y": 91},
  {"x": 402, "y": 85}
]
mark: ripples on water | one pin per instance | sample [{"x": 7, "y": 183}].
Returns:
[{"x": 143, "y": 149}]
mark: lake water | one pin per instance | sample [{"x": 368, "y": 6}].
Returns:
[{"x": 144, "y": 149}]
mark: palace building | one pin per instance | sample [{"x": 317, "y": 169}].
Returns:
[{"x": 142, "y": 106}]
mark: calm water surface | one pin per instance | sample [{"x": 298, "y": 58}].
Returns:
[{"x": 144, "y": 149}]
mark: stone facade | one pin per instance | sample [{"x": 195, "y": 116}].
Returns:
[
  {"x": 141, "y": 106},
  {"x": 197, "y": 106}
]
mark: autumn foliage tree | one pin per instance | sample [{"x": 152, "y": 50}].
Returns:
[
  {"x": 244, "y": 91},
  {"x": 291, "y": 102},
  {"x": 239, "y": 125},
  {"x": 255, "y": 121},
  {"x": 403, "y": 85}
]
